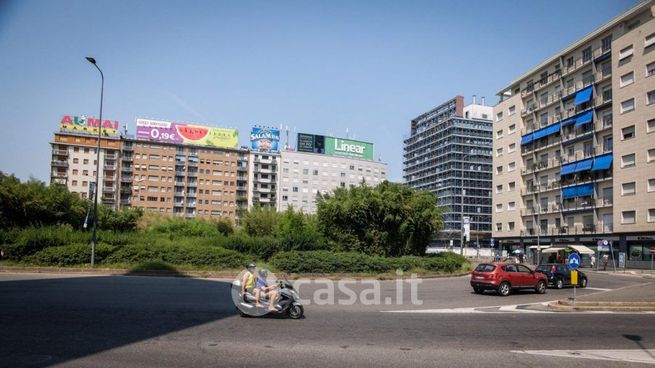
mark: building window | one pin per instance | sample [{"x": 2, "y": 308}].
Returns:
[
  {"x": 649, "y": 40},
  {"x": 511, "y": 186},
  {"x": 650, "y": 69},
  {"x": 499, "y": 134},
  {"x": 628, "y": 132},
  {"x": 650, "y": 97},
  {"x": 511, "y": 166},
  {"x": 651, "y": 215},
  {"x": 627, "y": 105},
  {"x": 628, "y": 160},
  {"x": 74, "y": 183},
  {"x": 499, "y": 170},
  {"x": 626, "y": 52},
  {"x": 499, "y": 226},
  {"x": 627, "y": 79},
  {"x": 650, "y": 126},
  {"x": 651, "y": 185},
  {"x": 499, "y": 188},
  {"x": 499, "y": 207},
  {"x": 315, "y": 172},
  {"x": 586, "y": 55},
  {"x": 651, "y": 155},
  {"x": 628, "y": 188},
  {"x": 512, "y": 110},
  {"x": 628, "y": 217},
  {"x": 510, "y": 226},
  {"x": 511, "y": 206},
  {"x": 511, "y": 129},
  {"x": 499, "y": 151},
  {"x": 499, "y": 116},
  {"x": 512, "y": 147}
]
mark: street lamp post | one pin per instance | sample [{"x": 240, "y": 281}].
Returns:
[{"x": 97, "y": 186}]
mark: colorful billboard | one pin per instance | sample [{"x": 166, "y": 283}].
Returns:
[
  {"x": 348, "y": 148},
  {"x": 334, "y": 146},
  {"x": 265, "y": 139},
  {"x": 82, "y": 124},
  {"x": 167, "y": 132}
]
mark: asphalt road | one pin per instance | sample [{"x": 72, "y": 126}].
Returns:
[{"x": 127, "y": 321}]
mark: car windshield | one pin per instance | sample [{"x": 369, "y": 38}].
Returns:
[{"x": 485, "y": 268}]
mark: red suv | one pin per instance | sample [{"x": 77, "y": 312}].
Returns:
[{"x": 503, "y": 277}]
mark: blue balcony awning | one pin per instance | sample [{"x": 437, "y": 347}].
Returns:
[
  {"x": 583, "y": 165},
  {"x": 552, "y": 129},
  {"x": 527, "y": 138},
  {"x": 585, "y": 118},
  {"x": 567, "y": 169},
  {"x": 567, "y": 122},
  {"x": 602, "y": 162},
  {"x": 584, "y": 95},
  {"x": 583, "y": 190},
  {"x": 538, "y": 134}
]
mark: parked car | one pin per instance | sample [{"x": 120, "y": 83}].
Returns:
[
  {"x": 504, "y": 277},
  {"x": 559, "y": 275}
]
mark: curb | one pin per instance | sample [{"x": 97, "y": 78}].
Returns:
[
  {"x": 567, "y": 305},
  {"x": 211, "y": 274}
]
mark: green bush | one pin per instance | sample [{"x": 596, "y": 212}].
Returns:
[
  {"x": 349, "y": 262},
  {"x": 179, "y": 227},
  {"x": 153, "y": 266},
  {"x": 69, "y": 255},
  {"x": 179, "y": 255},
  {"x": 259, "y": 247},
  {"x": 33, "y": 239}
]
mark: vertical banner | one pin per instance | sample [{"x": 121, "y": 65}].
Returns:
[{"x": 467, "y": 227}]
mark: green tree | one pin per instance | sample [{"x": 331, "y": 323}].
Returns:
[
  {"x": 297, "y": 231},
  {"x": 259, "y": 221},
  {"x": 389, "y": 220}
]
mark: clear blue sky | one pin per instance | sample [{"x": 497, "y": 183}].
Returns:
[{"x": 322, "y": 67}]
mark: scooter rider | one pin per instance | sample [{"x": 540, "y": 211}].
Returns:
[
  {"x": 262, "y": 287},
  {"x": 248, "y": 280}
]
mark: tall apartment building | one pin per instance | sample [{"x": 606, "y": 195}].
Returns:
[
  {"x": 74, "y": 158},
  {"x": 574, "y": 143},
  {"x": 262, "y": 178},
  {"x": 449, "y": 154},
  {"x": 321, "y": 165}
]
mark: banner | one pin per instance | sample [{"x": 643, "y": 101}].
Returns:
[
  {"x": 348, "y": 148},
  {"x": 265, "y": 139},
  {"x": 82, "y": 124},
  {"x": 167, "y": 132},
  {"x": 467, "y": 227},
  {"x": 311, "y": 143}
]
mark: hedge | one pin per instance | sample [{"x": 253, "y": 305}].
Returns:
[
  {"x": 348, "y": 262},
  {"x": 69, "y": 255},
  {"x": 179, "y": 255}
]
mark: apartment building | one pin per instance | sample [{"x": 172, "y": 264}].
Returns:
[
  {"x": 74, "y": 158},
  {"x": 448, "y": 153},
  {"x": 322, "y": 164},
  {"x": 574, "y": 143},
  {"x": 262, "y": 178}
]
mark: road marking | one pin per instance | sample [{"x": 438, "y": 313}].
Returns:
[
  {"x": 621, "y": 355},
  {"x": 599, "y": 289}
]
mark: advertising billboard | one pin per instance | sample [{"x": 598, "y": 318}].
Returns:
[
  {"x": 167, "y": 132},
  {"x": 311, "y": 143},
  {"x": 82, "y": 124},
  {"x": 265, "y": 139},
  {"x": 348, "y": 148}
]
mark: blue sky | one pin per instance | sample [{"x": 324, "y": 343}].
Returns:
[{"x": 321, "y": 67}]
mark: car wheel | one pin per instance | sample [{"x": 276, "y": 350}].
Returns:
[
  {"x": 504, "y": 288},
  {"x": 583, "y": 282},
  {"x": 541, "y": 287},
  {"x": 478, "y": 290},
  {"x": 559, "y": 283}
]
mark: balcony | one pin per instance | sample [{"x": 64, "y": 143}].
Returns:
[
  {"x": 602, "y": 53},
  {"x": 191, "y": 205},
  {"x": 59, "y": 163},
  {"x": 192, "y": 184},
  {"x": 179, "y": 183},
  {"x": 579, "y": 204},
  {"x": 109, "y": 189},
  {"x": 191, "y": 195},
  {"x": 111, "y": 156},
  {"x": 126, "y": 201},
  {"x": 192, "y": 174},
  {"x": 128, "y": 148},
  {"x": 604, "y": 202},
  {"x": 578, "y": 134},
  {"x": 126, "y": 178},
  {"x": 59, "y": 175},
  {"x": 110, "y": 167},
  {"x": 178, "y": 204},
  {"x": 190, "y": 215},
  {"x": 577, "y": 64},
  {"x": 126, "y": 190},
  {"x": 60, "y": 152},
  {"x": 192, "y": 163}
]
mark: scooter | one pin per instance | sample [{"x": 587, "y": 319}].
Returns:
[{"x": 287, "y": 304}]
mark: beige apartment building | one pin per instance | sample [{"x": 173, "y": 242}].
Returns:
[
  {"x": 574, "y": 144},
  {"x": 183, "y": 180},
  {"x": 73, "y": 164}
]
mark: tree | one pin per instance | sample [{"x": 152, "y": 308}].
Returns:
[
  {"x": 389, "y": 220},
  {"x": 259, "y": 221},
  {"x": 297, "y": 231}
]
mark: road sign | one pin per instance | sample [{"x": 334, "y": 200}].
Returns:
[
  {"x": 574, "y": 261},
  {"x": 574, "y": 277}
]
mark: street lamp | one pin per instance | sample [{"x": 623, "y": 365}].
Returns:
[{"x": 97, "y": 186}]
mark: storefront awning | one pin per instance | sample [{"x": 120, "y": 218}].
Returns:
[
  {"x": 602, "y": 162},
  {"x": 582, "y": 249},
  {"x": 585, "y": 118},
  {"x": 584, "y": 95}
]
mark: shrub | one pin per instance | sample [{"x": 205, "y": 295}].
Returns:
[
  {"x": 68, "y": 255},
  {"x": 179, "y": 227},
  {"x": 348, "y": 262},
  {"x": 34, "y": 239},
  {"x": 179, "y": 255},
  {"x": 153, "y": 266},
  {"x": 259, "y": 247}
]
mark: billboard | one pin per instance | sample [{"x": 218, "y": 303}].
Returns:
[
  {"x": 182, "y": 133},
  {"x": 311, "y": 143},
  {"x": 265, "y": 139},
  {"x": 348, "y": 148},
  {"x": 82, "y": 124}
]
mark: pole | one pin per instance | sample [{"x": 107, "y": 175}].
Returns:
[
  {"x": 461, "y": 230},
  {"x": 95, "y": 197}
]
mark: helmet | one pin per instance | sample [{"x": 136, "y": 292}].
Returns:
[{"x": 251, "y": 265}]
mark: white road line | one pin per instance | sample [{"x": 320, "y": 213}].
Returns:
[
  {"x": 599, "y": 289},
  {"x": 621, "y": 355}
]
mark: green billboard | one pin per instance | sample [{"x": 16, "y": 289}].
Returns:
[{"x": 348, "y": 148}]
